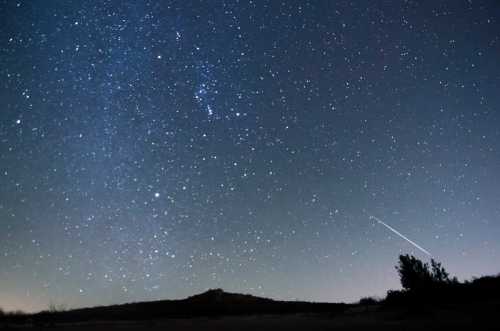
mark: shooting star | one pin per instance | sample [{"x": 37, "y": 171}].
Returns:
[{"x": 401, "y": 235}]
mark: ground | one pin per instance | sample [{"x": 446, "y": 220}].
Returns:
[{"x": 359, "y": 318}]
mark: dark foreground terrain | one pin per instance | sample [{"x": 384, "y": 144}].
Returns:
[
  {"x": 355, "y": 318},
  {"x": 218, "y": 310}
]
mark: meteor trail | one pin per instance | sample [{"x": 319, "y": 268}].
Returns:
[{"x": 401, "y": 235}]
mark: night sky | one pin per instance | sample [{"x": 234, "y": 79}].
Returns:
[{"x": 155, "y": 149}]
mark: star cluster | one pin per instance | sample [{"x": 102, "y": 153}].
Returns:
[{"x": 154, "y": 149}]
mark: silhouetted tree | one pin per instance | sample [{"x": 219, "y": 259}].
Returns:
[
  {"x": 413, "y": 273},
  {"x": 439, "y": 274},
  {"x": 417, "y": 275}
]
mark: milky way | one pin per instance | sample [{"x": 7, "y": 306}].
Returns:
[{"x": 154, "y": 149}]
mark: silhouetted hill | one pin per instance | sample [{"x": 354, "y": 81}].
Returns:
[
  {"x": 470, "y": 302},
  {"x": 218, "y": 296},
  {"x": 214, "y": 302}
]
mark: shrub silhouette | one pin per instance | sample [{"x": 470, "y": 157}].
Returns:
[
  {"x": 439, "y": 274},
  {"x": 413, "y": 273},
  {"x": 416, "y": 275},
  {"x": 369, "y": 301},
  {"x": 425, "y": 284}
]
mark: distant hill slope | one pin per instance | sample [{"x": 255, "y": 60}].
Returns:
[
  {"x": 476, "y": 299},
  {"x": 214, "y": 302},
  {"x": 218, "y": 296}
]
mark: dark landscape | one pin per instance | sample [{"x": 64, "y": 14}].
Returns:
[{"x": 430, "y": 300}]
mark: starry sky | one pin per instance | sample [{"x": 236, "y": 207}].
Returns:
[{"x": 155, "y": 149}]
